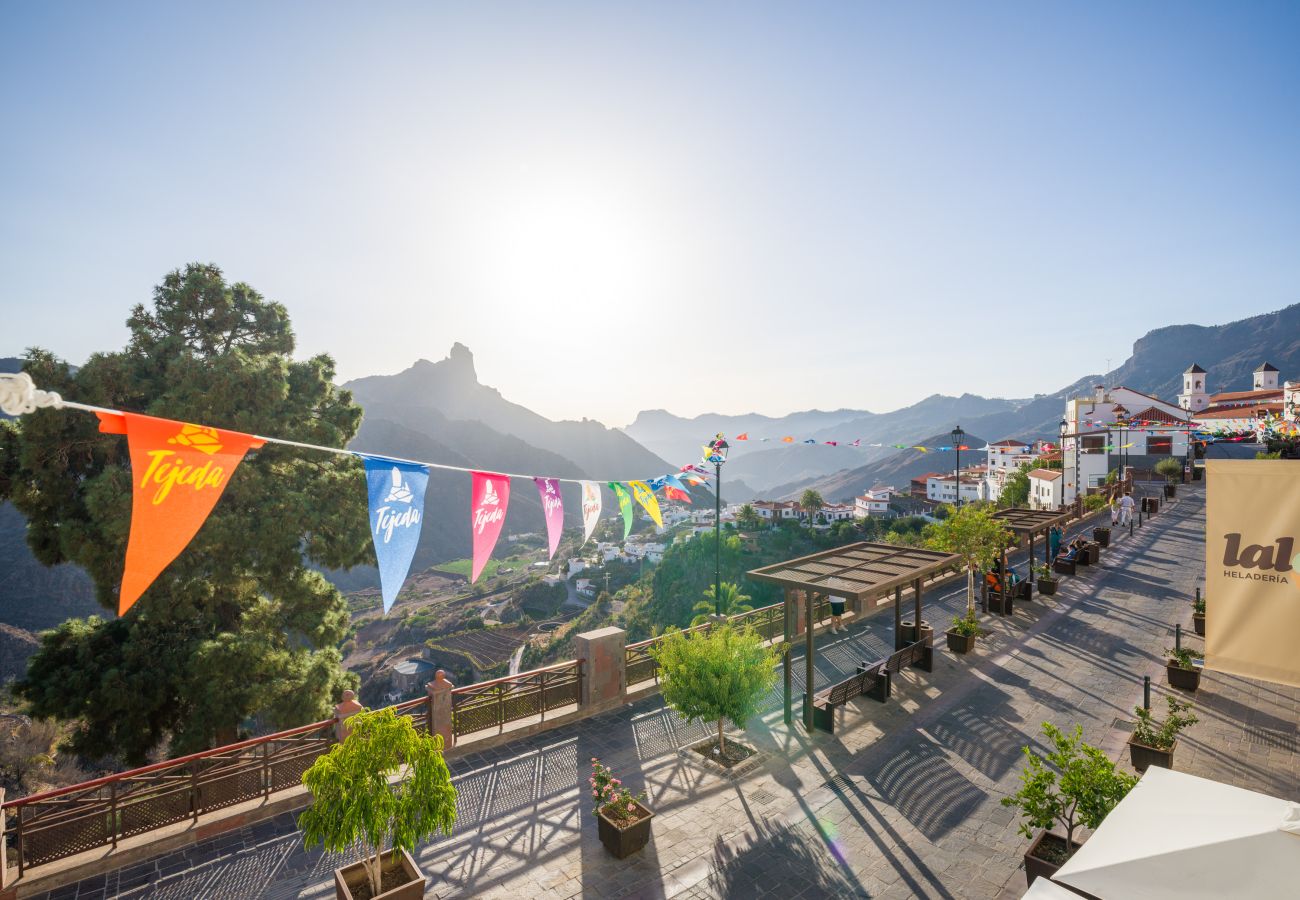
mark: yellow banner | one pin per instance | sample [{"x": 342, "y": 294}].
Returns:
[
  {"x": 646, "y": 498},
  {"x": 1252, "y": 594}
]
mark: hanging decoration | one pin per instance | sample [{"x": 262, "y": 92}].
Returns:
[
  {"x": 646, "y": 497},
  {"x": 590, "y": 508},
  {"x": 624, "y": 506},
  {"x": 552, "y": 511},
  {"x": 489, "y": 498},
  {"x": 178, "y": 473},
  {"x": 396, "y": 493}
]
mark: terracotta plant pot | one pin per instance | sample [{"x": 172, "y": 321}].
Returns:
[
  {"x": 960, "y": 643},
  {"x": 623, "y": 841},
  {"x": 1036, "y": 865},
  {"x": 1101, "y": 534},
  {"x": 349, "y": 878},
  {"x": 1047, "y": 588},
  {"x": 1198, "y": 623},
  {"x": 1183, "y": 679},
  {"x": 1143, "y": 756}
]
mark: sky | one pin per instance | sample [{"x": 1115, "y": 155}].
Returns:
[{"x": 699, "y": 207}]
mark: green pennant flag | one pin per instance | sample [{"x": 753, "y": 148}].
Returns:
[{"x": 624, "y": 506}]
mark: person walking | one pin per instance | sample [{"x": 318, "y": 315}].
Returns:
[
  {"x": 1114, "y": 512},
  {"x": 1126, "y": 509},
  {"x": 1053, "y": 542},
  {"x": 837, "y": 610}
]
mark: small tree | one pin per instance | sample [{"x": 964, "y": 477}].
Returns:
[
  {"x": 1171, "y": 468},
  {"x": 733, "y": 603},
  {"x": 1074, "y": 784},
  {"x": 353, "y": 798},
  {"x": 748, "y": 517},
  {"x": 1161, "y": 735},
  {"x": 716, "y": 675},
  {"x": 973, "y": 534},
  {"x": 811, "y": 502}
]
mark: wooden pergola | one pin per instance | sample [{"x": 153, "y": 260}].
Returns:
[
  {"x": 854, "y": 572},
  {"x": 1029, "y": 524}
]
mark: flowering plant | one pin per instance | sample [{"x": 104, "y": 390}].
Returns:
[{"x": 608, "y": 794}]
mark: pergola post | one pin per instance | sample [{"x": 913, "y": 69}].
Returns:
[
  {"x": 898, "y": 617},
  {"x": 810, "y": 683},
  {"x": 786, "y": 673},
  {"x": 1031, "y": 557},
  {"x": 916, "y": 596}
]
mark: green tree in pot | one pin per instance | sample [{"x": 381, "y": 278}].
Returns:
[
  {"x": 1172, "y": 470},
  {"x": 1046, "y": 580},
  {"x": 355, "y": 797},
  {"x": 1181, "y": 668},
  {"x": 1073, "y": 785},
  {"x": 716, "y": 675},
  {"x": 974, "y": 535},
  {"x": 1153, "y": 742}
]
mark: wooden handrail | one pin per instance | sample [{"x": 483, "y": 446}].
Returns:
[{"x": 478, "y": 685}]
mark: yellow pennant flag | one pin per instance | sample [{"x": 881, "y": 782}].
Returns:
[{"x": 646, "y": 497}]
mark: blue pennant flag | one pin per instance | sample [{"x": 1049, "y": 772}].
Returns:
[{"x": 396, "y": 491}]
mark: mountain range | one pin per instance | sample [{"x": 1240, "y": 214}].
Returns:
[{"x": 439, "y": 412}]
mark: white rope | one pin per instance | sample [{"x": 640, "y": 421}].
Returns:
[{"x": 19, "y": 396}]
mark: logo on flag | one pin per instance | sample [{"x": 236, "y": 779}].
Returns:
[
  {"x": 396, "y": 495},
  {"x": 590, "y": 508},
  {"x": 552, "y": 510},
  {"x": 489, "y": 498}
]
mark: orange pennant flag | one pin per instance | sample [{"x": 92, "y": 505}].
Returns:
[
  {"x": 179, "y": 471},
  {"x": 787, "y": 440}
]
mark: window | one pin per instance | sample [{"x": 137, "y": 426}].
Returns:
[
  {"x": 1160, "y": 445},
  {"x": 1094, "y": 443}
]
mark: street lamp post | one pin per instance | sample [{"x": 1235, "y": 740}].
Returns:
[
  {"x": 717, "y": 454},
  {"x": 957, "y": 435},
  {"x": 1064, "y": 427}
]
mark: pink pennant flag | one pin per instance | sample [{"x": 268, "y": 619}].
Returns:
[
  {"x": 489, "y": 497},
  {"x": 552, "y": 509}
]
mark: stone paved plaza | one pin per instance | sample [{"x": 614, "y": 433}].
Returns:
[{"x": 901, "y": 802}]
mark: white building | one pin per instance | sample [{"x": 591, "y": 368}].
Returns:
[
  {"x": 1005, "y": 459},
  {"x": 869, "y": 507},
  {"x": 837, "y": 512},
  {"x": 775, "y": 510},
  {"x": 1094, "y": 440},
  {"x": 1045, "y": 488},
  {"x": 943, "y": 488},
  {"x": 576, "y": 565}
]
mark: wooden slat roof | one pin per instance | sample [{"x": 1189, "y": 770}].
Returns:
[
  {"x": 856, "y": 570},
  {"x": 1029, "y": 521}
]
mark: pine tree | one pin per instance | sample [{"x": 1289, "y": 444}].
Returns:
[{"x": 238, "y": 626}]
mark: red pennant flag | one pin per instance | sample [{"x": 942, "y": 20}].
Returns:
[
  {"x": 178, "y": 473},
  {"x": 673, "y": 493},
  {"x": 833, "y": 443},
  {"x": 743, "y": 437},
  {"x": 489, "y": 497}
]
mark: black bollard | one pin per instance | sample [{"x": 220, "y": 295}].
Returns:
[
  {"x": 1146, "y": 692},
  {"x": 1198, "y": 595},
  {"x": 1178, "y": 635}
]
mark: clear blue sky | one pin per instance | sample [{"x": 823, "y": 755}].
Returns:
[{"x": 725, "y": 207}]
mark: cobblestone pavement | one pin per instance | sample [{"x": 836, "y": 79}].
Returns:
[{"x": 902, "y": 801}]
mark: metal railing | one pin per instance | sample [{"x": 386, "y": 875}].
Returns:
[{"x": 493, "y": 704}]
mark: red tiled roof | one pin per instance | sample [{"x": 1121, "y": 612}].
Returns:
[
  {"x": 1238, "y": 412},
  {"x": 1245, "y": 395},
  {"x": 1008, "y": 443},
  {"x": 1151, "y": 414}
]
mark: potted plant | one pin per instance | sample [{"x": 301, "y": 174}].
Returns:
[
  {"x": 355, "y": 797},
  {"x": 962, "y": 634},
  {"x": 974, "y": 535},
  {"x": 1153, "y": 742},
  {"x": 1182, "y": 670},
  {"x": 1172, "y": 469},
  {"x": 1198, "y": 615},
  {"x": 1046, "y": 580},
  {"x": 624, "y": 819},
  {"x": 1074, "y": 784}
]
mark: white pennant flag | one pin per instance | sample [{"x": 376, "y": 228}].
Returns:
[{"x": 590, "y": 508}]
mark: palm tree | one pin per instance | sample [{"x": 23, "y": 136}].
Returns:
[
  {"x": 748, "y": 517},
  {"x": 812, "y": 502},
  {"x": 733, "y": 603}
]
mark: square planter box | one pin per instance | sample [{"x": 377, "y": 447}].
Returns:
[
  {"x": 623, "y": 841},
  {"x": 1047, "y": 588},
  {"x": 960, "y": 643},
  {"x": 1183, "y": 679},
  {"x": 1038, "y": 867},
  {"x": 1101, "y": 535},
  {"x": 1143, "y": 756},
  {"x": 349, "y": 878},
  {"x": 1198, "y": 623},
  {"x": 1001, "y": 605},
  {"x": 1170, "y": 490}
]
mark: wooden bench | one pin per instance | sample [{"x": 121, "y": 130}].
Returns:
[
  {"x": 825, "y": 702},
  {"x": 1064, "y": 566},
  {"x": 872, "y": 679}
]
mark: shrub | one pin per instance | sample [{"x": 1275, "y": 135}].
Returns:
[
  {"x": 1074, "y": 784},
  {"x": 1198, "y": 606},
  {"x": 717, "y": 674},
  {"x": 1183, "y": 657},
  {"x": 966, "y": 625},
  {"x": 1094, "y": 502},
  {"x": 1161, "y": 735},
  {"x": 609, "y": 796},
  {"x": 1171, "y": 468},
  {"x": 352, "y": 799}
]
